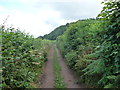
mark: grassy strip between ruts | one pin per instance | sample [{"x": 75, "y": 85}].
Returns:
[{"x": 57, "y": 72}]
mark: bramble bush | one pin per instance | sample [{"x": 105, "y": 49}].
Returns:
[
  {"x": 92, "y": 47},
  {"x": 22, "y": 58}
]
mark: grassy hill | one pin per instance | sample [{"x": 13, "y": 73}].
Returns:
[{"x": 55, "y": 33}]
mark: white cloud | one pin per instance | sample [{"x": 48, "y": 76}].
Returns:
[
  {"x": 39, "y": 17},
  {"x": 33, "y": 23},
  {"x": 26, "y": 1}
]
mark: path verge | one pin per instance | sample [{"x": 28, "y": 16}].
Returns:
[{"x": 57, "y": 72}]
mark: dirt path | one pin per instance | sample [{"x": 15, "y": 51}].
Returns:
[
  {"x": 67, "y": 74},
  {"x": 47, "y": 79}
]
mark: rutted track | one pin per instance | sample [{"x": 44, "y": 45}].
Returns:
[
  {"x": 47, "y": 79},
  {"x": 67, "y": 74}
]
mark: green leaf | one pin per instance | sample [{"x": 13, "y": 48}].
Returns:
[{"x": 108, "y": 86}]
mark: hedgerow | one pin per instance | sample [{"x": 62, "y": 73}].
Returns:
[
  {"x": 22, "y": 58},
  {"x": 92, "y": 47}
]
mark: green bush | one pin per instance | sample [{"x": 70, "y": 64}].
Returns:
[
  {"x": 92, "y": 47},
  {"x": 71, "y": 58},
  {"x": 22, "y": 58}
]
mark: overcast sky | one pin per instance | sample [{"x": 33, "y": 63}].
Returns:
[{"x": 39, "y": 17}]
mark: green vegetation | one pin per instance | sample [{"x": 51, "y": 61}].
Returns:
[
  {"x": 22, "y": 58},
  {"x": 54, "y": 34},
  {"x": 57, "y": 72},
  {"x": 92, "y": 47}
]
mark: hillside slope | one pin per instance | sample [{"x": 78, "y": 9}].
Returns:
[{"x": 55, "y": 33}]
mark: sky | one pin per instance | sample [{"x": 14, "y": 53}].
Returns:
[{"x": 40, "y": 17}]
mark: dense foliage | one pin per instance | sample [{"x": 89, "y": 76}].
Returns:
[
  {"x": 55, "y": 33},
  {"x": 92, "y": 47},
  {"x": 22, "y": 58}
]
